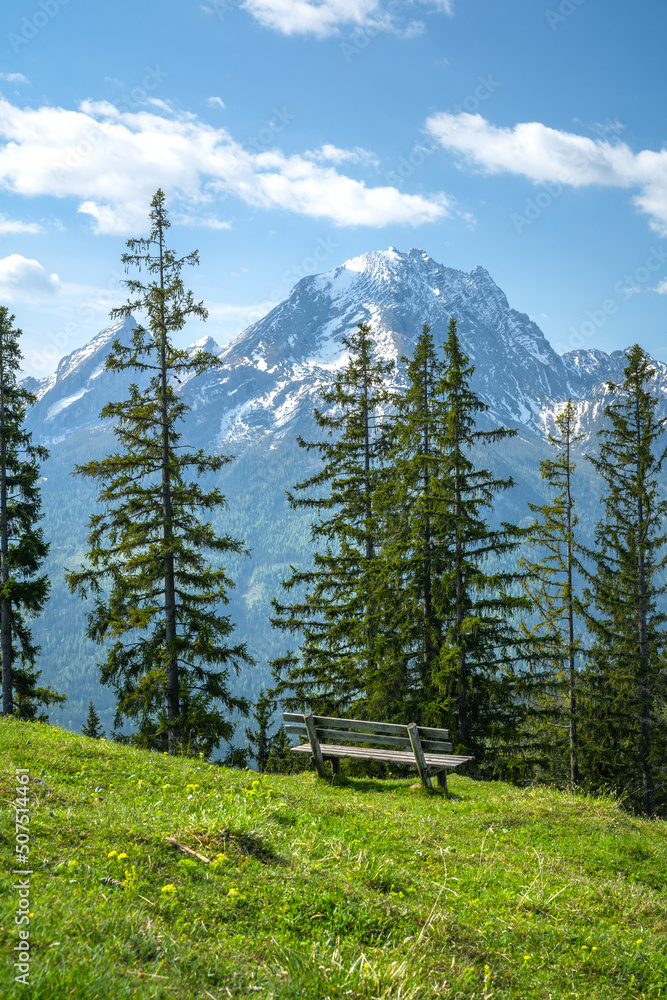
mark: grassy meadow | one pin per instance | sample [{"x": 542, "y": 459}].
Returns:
[{"x": 289, "y": 886}]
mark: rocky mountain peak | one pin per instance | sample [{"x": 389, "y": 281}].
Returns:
[{"x": 269, "y": 376}]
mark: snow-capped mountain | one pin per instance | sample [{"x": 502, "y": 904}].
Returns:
[
  {"x": 271, "y": 372},
  {"x": 269, "y": 376},
  {"x": 76, "y": 392},
  {"x": 259, "y": 400}
]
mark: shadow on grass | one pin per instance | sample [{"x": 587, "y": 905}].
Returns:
[
  {"x": 249, "y": 844},
  {"x": 239, "y": 842},
  {"x": 386, "y": 785}
]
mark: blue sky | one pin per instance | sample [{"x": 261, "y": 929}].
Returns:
[{"x": 290, "y": 135}]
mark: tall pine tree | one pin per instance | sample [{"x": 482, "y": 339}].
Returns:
[
  {"x": 624, "y": 739},
  {"x": 414, "y": 554},
  {"x": 551, "y": 588},
  {"x": 23, "y": 591},
  {"x": 168, "y": 658},
  {"x": 478, "y": 663},
  {"x": 334, "y": 611}
]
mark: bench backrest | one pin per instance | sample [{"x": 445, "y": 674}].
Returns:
[{"x": 386, "y": 734}]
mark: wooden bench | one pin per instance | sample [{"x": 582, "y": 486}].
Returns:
[{"x": 422, "y": 747}]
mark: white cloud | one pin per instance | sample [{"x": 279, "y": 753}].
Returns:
[
  {"x": 112, "y": 162},
  {"x": 533, "y": 149},
  {"x": 310, "y": 17},
  {"x": 547, "y": 155},
  {"x": 414, "y": 29},
  {"x": 161, "y": 105},
  {"x": 24, "y": 278},
  {"x": 9, "y": 226},
  {"x": 661, "y": 288},
  {"x": 14, "y": 78},
  {"x": 325, "y": 17},
  {"x": 215, "y": 102},
  {"x": 206, "y": 222},
  {"x": 333, "y": 154}
]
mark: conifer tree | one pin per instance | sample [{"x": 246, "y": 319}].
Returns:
[
  {"x": 476, "y": 672},
  {"x": 23, "y": 592},
  {"x": 552, "y": 592},
  {"x": 168, "y": 658},
  {"x": 281, "y": 760},
  {"x": 259, "y": 739},
  {"x": 92, "y": 726},
  {"x": 30, "y": 698},
  {"x": 625, "y": 740},
  {"x": 414, "y": 553},
  {"x": 334, "y": 610}
]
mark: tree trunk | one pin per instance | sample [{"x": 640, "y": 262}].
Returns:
[
  {"x": 173, "y": 704},
  {"x": 368, "y": 513},
  {"x": 367, "y": 473},
  {"x": 426, "y": 567},
  {"x": 5, "y": 605},
  {"x": 644, "y": 681},
  {"x": 458, "y": 569},
  {"x": 574, "y": 763}
]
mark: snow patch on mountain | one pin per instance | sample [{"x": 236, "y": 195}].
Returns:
[
  {"x": 269, "y": 377},
  {"x": 62, "y": 404},
  {"x": 203, "y": 344},
  {"x": 44, "y": 385}
]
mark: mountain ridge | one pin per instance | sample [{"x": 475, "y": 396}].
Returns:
[{"x": 270, "y": 374}]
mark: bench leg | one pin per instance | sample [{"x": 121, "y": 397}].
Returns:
[
  {"x": 314, "y": 744},
  {"x": 335, "y": 765},
  {"x": 442, "y": 780},
  {"x": 420, "y": 761}
]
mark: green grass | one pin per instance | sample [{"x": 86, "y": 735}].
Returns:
[{"x": 369, "y": 889}]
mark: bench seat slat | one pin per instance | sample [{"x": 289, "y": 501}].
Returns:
[
  {"x": 395, "y": 756},
  {"x": 387, "y": 728},
  {"x": 427, "y": 732},
  {"x": 391, "y": 741},
  {"x": 437, "y": 746},
  {"x": 367, "y": 737},
  {"x": 392, "y": 728},
  {"x": 338, "y": 734}
]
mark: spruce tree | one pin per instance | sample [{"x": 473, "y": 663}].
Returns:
[
  {"x": 259, "y": 739},
  {"x": 476, "y": 674},
  {"x": 23, "y": 591},
  {"x": 624, "y": 742},
  {"x": 414, "y": 550},
  {"x": 30, "y": 698},
  {"x": 168, "y": 656},
  {"x": 334, "y": 611},
  {"x": 553, "y": 685},
  {"x": 92, "y": 726},
  {"x": 280, "y": 759}
]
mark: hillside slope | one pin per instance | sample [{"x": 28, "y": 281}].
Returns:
[{"x": 368, "y": 890}]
